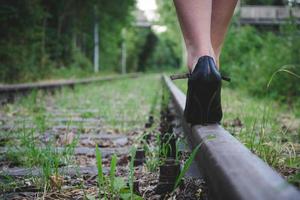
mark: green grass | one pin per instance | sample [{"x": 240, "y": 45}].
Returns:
[
  {"x": 100, "y": 179},
  {"x": 114, "y": 187},
  {"x": 29, "y": 152},
  {"x": 123, "y": 105},
  {"x": 187, "y": 165},
  {"x": 117, "y": 102},
  {"x": 266, "y": 127}
]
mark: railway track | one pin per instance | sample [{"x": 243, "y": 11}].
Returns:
[
  {"x": 8, "y": 93},
  {"x": 231, "y": 170},
  {"x": 222, "y": 169}
]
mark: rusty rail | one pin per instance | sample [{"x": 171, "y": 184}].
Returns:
[
  {"x": 231, "y": 170},
  {"x": 10, "y": 91}
]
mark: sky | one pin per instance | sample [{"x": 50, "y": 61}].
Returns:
[{"x": 149, "y": 7}]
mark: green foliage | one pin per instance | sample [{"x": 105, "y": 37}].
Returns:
[
  {"x": 155, "y": 153},
  {"x": 115, "y": 187},
  {"x": 252, "y": 57},
  {"x": 134, "y": 38},
  {"x": 190, "y": 160},
  {"x": 101, "y": 183},
  {"x": 30, "y": 153},
  {"x": 187, "y": 165},
  {"x": 178, "y": 142},
  {"x": 169, "y": 49},
  {"x": 81, "y": 61},
  {"x": 263, "y": 126},
  {"x": 165, "y": 148},
  {"x": 165, "y": 54},
  {"x": 131, "y": 171},
  {"x": 37, "y": 38},
  {"x": 56, "y": 39},
  {"x": 113, "y": 165}
]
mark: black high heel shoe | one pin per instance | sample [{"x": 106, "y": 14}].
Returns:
[{"x": 203, "y": 103}]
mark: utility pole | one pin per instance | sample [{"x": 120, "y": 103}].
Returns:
[
  {"x": 96, "y": 41},
  {"x": 123, "y": 58}
]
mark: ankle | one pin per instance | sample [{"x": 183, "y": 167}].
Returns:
[
  {"x": 194, "y": 55},
  {"x": 217, "y": 52}
]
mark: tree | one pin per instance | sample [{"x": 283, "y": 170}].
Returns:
[{"x": 40, "y": 37}]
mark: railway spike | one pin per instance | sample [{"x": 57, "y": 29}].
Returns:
[
  {"x": 187, "y": 75},
  {"x": 180, "y": 76}
]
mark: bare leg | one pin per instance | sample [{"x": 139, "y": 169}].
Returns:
[
  {"x": 195, "y": 20},
  {"x": 222, "y": 11}
]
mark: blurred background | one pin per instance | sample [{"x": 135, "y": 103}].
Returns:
[{"x": 55, "y": 39}]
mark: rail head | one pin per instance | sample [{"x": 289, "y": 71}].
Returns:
[
  {"x": 10, "y": 92},
  {"x": 231, "y": 170},
  {"x": 10, "y": 88}
]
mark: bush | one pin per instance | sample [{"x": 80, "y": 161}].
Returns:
[{"x": 252, "y": 57}]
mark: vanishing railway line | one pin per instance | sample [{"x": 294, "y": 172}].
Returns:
[
  {"x": 8, "y": 93},
  {"x": 223, "y": 167}
]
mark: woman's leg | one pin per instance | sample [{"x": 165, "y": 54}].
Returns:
[
  {"x": 222, "y": 11},
  {"x": 203, "y": 24},
  {"x": 195, "y": 20}
]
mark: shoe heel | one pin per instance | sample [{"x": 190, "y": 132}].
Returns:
[
  {"x": 203, "y": 103},
  {"x": 214, "y": 108}
]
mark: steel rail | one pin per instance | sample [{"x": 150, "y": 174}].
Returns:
[
  {"x": 9, "y": 91},
  {"x": 230, "y": 169}
]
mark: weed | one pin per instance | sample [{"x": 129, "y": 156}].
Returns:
[
  {"x": 100, "y": 171},
  {"x": 115, "y": 185},
  {"x": 40, "y": 122},
  {"x": 87, "y": 115},
  {"x": 187, "y": 165},
  {"x": 283, "y": 69},
  {"x": 165, "y": 146},
  {"x": 190, "y": 160},
  {"x": 131, "y": 171},
  {"x": 295, "y": 179},
  {"x": 153, "y": 153},
  {"x": 32, "y": 153},
  {"x": 113, "y": 165},
  {"x": 178, "y": 141}
]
